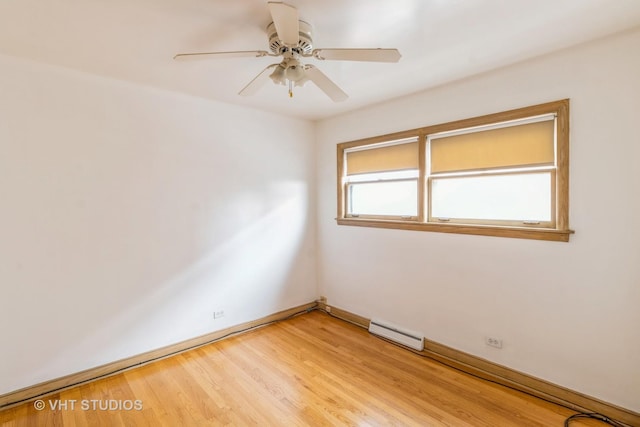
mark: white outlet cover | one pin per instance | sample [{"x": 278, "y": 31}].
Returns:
[{"x": 493, "y": 342}]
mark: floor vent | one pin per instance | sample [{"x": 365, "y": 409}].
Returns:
[{"x": 397, "y": 334}]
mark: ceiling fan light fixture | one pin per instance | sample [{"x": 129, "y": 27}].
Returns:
[
  {"x": 301, "y": 82},
  {"x": 294, "y": 71},
  {"x": 278, "y": 76}
]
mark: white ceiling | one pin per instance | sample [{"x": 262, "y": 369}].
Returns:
[{"x": 440, "y": 41}]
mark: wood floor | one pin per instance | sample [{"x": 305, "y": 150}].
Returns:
[{"x": 312, "y": 370}]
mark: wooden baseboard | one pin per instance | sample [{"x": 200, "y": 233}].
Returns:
[
  {"x": 505, "y": 376},
  {"x": 449, "y": 356},
  {"x": 72, "y": 380}
]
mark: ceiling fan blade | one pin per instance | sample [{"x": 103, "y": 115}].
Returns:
[
  {"x": 257, "y": 82},
  {"x": 212, "y": 55},
  {"x": 369, "y": 55},
  {"x": 285, "y": 18},
  {"x": 325, "y": 84}
]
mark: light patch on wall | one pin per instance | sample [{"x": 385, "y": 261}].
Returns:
[{"x": 239, "y": 276}]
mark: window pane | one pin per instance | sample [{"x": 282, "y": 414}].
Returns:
[
  {"x": 397, "y": 198},
  {"x": 515, "y": 197}
]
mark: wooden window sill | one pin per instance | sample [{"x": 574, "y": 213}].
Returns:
[{"x": 480, "y": 230}]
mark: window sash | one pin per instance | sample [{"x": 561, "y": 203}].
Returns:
[
  {"x": 382, "y": 213},
  {"x": 549, "y": 222}
]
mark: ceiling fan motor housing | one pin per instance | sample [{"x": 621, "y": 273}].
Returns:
[{"x": 305, "y": 43}]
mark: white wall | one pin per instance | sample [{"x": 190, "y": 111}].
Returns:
[
  {"x": 128, "y": 215},
  {"x": 567, "y": 312}
]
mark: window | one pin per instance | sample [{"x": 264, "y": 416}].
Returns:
[
  {"x": 505, "y": 174},
  {"x": 382, "y": 179}
]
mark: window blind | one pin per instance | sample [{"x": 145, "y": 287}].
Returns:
[
  {"x": 530, "y": 144},
  {"x": 383, "y": 159}
]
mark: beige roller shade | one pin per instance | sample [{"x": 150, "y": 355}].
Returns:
[
  {"x": 527, "y": 144},
  {"x": 383, "y": 159}
]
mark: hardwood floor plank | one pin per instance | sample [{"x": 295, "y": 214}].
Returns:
[
  {"x": 312, "y": 370},
  {"x": 414, "y": 399}
]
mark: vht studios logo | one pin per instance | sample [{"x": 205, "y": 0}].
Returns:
[{"x": 89, "y": 405}]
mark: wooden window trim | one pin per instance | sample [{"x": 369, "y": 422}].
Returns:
[{"x": 560, "y": 233}]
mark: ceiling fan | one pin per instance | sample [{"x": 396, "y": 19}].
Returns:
[{"x": 292, "y": 39}]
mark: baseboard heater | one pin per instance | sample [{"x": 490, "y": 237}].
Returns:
[{"x": 395, "y": 333}]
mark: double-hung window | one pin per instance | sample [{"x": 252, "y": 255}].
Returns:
[
  {"x": 505, "y": 174},
  {"x": 382, "y": 180}
]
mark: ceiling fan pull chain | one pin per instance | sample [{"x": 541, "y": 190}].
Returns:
[{"x": 290, "y": 89}]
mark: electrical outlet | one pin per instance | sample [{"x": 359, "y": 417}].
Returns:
[
  {"x": 493, "y": 342},
  {"x": 218, "y": 314}
]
